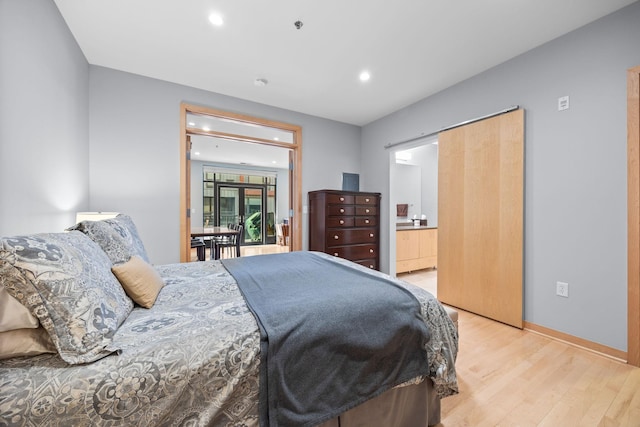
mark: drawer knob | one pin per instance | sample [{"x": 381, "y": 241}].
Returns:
[
  {"x": 371, "y": 266},
  {"x": 370, "y": 251},
  {"x": 341, "y": 221},
  {"x": 367, "y": 211},
  {"x": 341, "y": 210},
  {"x": 342, "y": 199},
  {"x": 370, "y": 235},
  {"x": 336, "y": 237},
  {"x": 335, "y": 254},
  {"x": 366, "y": 221},
  {"x": 366, "y": 200}
]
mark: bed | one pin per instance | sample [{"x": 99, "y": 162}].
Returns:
[{"x": 100, "y": 357}]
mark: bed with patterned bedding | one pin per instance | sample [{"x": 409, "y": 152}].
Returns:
[{"x": 192, "y": 358}]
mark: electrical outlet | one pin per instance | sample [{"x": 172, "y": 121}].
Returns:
[{"x": 562, "y": 289}]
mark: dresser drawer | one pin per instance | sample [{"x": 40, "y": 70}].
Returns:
[
  {"x": 369, "y": 263},
  {"x": 355, "y": 252},
  {"x": 336, "y": 210},
  {"x": 365, "y": 221},
  {"x": 339, "y": 237},
  {"x": 345, "y": 221},
  {"x": 345, "y": 199},
  {"x": 366, "y": 200},
  {"x": 366, "y": 210}
]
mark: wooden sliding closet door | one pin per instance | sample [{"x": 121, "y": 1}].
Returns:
[{"x": 480, "y": 217}]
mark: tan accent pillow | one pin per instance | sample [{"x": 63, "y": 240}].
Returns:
[
  {"x": 14, "y": 315},
  {"x": 140, "y": 280},
  {"x": 25, "y": 342}
]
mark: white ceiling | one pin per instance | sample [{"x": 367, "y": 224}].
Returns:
[
  {"x": 412, "y": 48},
  {"x": 217, "y": 150},
  {"x": 220, "y": 150}
]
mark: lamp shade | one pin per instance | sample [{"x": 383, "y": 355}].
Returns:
[{"x": 94, "y": 216}]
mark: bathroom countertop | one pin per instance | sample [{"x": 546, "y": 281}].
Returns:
[{"x": 402, "y": 227}]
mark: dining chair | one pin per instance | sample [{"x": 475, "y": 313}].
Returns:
[
  {"x": 199, "y": 245},
  {"x": 232, "y": 242}
]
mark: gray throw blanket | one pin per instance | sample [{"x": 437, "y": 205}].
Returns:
[{"x": 332, "y": 336}]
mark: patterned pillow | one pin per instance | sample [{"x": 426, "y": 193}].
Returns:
[
  {"x": 118, "y": 237},
  {"x": 124, "y": 225},
  {"x": 112, "y": 243},
  {"x": 65, "y": 279}
]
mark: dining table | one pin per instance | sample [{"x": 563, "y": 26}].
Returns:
[{"x": 212, "y": 233}]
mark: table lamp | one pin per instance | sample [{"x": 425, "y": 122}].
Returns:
[{"x": 94, "y": 216}]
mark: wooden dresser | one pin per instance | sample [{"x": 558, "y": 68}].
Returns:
[{"x": 346, "y": 224}]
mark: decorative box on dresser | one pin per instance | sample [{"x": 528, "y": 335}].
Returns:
[{"x": 346, "y": 224}]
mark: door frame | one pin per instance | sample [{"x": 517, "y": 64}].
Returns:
[
  {"x": 633, "y": 216},
  {"x": 295, "y": 168}
]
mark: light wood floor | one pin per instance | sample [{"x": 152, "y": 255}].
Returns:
[
  {"x": 263, "y": 250},
  {"x": 249, "y": 251},
  {"x": 510, "y": 377}
]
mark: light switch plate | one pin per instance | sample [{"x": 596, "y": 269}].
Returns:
[{"x": 563, "y": 103}]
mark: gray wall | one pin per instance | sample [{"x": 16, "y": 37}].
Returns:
[
  {"x": 134, "y": 151},
  {"x": 575, "y": 168},
  {"x": 44, "y": 120},
  {"x": 407, "y": 189},
  {"x": 427, "y": 157}
]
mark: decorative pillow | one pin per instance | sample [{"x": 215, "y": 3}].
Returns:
[
  {"x": 14, "y": 315},
  {"x": 140, "y": 280},
  {"x": 124, "y": 225},
  {"x": 25, "y": 342},
  {"x": 65, "y": 279},
  {"x": 120, "y": 241},
  {"x": 112, "y": 243}
]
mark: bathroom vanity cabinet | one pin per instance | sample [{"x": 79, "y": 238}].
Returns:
[{"x": 416, "y": 248}]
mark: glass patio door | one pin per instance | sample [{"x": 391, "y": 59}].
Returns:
[{"x": 243, "y": 205}]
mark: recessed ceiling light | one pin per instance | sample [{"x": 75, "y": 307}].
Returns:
[
  {"x": 192, "y": 124},
  {"x": 197, "y": 153},
  {"x": 274, "y": 162},
  {"x": 364, "y": 76},
  {"x": 216, "y": 19},
  {"x": 206, "y": 128},
  {"x": 275, "y": 138}
]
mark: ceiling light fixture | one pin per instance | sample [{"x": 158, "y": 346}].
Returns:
[
  {"x": 216, "y": 19},
  {"x": 261, "y": 82},
  {"x": 364, "y": 76}
]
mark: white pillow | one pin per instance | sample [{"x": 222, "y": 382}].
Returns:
[
  {"x": 25, "y": 342},
  {"x": 14, "y": 315}
]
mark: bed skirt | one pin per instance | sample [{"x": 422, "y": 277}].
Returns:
[{"x": 411, "y": 406}]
